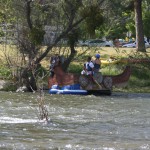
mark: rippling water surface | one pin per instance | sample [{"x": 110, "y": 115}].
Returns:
[{"x": 117, "y": 122}]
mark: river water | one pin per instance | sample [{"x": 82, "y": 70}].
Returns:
[{"x": 117, "y": 122}]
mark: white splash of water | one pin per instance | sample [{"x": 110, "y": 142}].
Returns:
[{"x": 4, "y": 120}]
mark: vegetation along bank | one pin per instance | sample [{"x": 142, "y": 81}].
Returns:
[{"x": 138, "y": 82}]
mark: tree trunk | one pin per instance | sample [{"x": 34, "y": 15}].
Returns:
[
  {"x": 29, "y": 80},
  {"x": 70, "y": 58},
  {"x": 72, "y": 38},
  {"x": 140, "y": 44}
]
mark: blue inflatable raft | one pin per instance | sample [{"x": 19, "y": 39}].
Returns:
[{"x": 68, "y": 89}]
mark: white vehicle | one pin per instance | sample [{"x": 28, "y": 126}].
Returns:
[
  {"x": 132, "y": 45},
  {"x": 98, "y": 43}
]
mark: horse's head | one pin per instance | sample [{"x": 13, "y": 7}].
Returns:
[{"x": 55, "y": 61}]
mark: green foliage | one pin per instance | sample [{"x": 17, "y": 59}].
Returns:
[
  {"x": 2, "y": 33},
  {"x": 37, "y": 35},
  {"x": 41, "y": 71},
  {"x": 9, "y": 86},
  {"x": 111, "y": 69},
  {"x": 146, "y": 23},
  {"x": 118, "y": 32},
  {"x": 5, "y": 72},
  {"x": 93, "y": 18},
  {"x": 141, "y": 74},
  {"x": 74, "y": 68}
]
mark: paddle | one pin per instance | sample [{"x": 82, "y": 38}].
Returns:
[{"x": 96, "y": 82}]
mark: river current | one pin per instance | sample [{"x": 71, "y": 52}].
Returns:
[{"x": 117, "y": 122}]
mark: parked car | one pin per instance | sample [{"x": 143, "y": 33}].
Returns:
[
  {"x": 134, "y": 44},
  {"x": 97, "y": 42},
  {"x": 121, "y": 42},
  {"x": 79, "y": 43}
]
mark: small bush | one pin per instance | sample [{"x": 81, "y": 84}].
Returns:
[
  {"x": 5, "y": 72},
  {"x": 41, "y": 71},
  {"x": 10, "y": 86},
  {"x": 73, "y": 68}
]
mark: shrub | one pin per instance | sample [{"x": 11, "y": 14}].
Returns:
[
  {"x": 74, "y": 68},
  {"x": 5, "y": 72}
]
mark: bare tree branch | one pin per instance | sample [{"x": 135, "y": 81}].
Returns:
[{"x": 63, "y": 34}]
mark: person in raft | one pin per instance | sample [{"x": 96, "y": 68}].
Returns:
[
  {"x": 97, "y": 63},
  {"x": 88, "y": 67}
]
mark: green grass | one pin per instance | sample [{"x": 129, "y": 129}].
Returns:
[{"x": 5, "y": 73}]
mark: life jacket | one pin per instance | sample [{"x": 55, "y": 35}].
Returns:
[
  {"x": 97, "y": 66},
  {"x": 87, "y": 65}
]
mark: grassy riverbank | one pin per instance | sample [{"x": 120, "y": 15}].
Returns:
[{"x": 138, "y": 82}]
